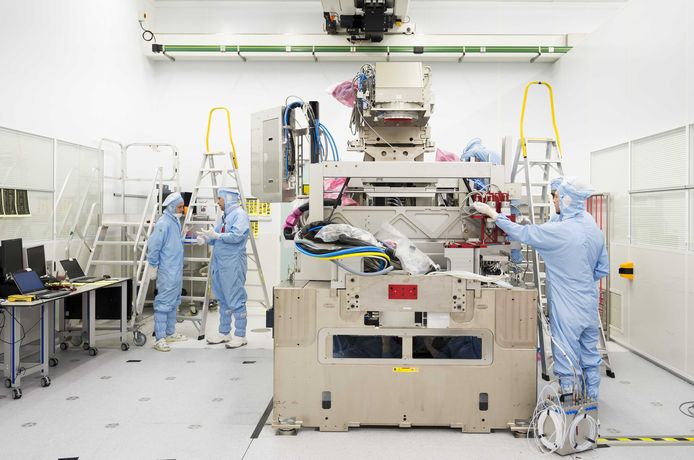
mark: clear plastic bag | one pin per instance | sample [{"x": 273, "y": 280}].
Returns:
[
  {"x": 333, "y": 232},
  {"x": 411, "y": 257}
]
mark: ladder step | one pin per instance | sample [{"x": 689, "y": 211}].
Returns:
[
  {"x": 196, "y": 259},
  {"x": 544, "y": 162},
  {"x": 111, "y": 262},
  {"x": 214, "y": 170},
  {"x": 201, "y": 222},
  {"x": 215, "y": 154},
  {"x": 123, "y": 224},
  {"x": 118, "y": 243},
  {"x": 193, "y": 297},
  {"x": 538, "y": 140},
  {"x": 202, "y": 279}
]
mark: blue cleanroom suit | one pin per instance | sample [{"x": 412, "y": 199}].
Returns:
[
  {"x": 575, "y": 257},
  {"x": 229, "y": 264},
  {"x": 165, "y": 252}
]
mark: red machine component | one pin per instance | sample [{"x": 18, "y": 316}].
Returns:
[{"x": 402, "y": 291}]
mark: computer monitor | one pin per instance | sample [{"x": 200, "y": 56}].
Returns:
[
  {"x": 27, "y": 281},
  {"x": 36, "y": 260},
  {"x": 72, "y": 268},
  {"x": 11, "y": 257}
]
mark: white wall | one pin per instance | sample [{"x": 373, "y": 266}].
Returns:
[
  {"x": 73, "y": 69},
  {"x": 632, "y": 78}
]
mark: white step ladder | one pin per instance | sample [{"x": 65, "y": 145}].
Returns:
[
  {"x": 538, "y": 173},
  {"x": 121, "y": 240},
  {"x": 212, "y": 176}
]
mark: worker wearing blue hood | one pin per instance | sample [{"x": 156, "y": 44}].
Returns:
[
  {"x": 575, "y": 258},
  {"x": 228, "y": 268},
  {"x": 165, "y": 259}
]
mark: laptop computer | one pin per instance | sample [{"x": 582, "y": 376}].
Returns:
[
  {"x": 28, "y": 282},
  {"x": 75, "y": 273}
]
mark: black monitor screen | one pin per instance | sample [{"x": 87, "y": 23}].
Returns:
[
  {"x": 11, "y": 257},
  {"x": 36, "y": 260}
]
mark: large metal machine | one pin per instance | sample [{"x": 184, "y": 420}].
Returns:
[
  {"x": 366, "y": 20},
  {"x": 434, "y": 327}
]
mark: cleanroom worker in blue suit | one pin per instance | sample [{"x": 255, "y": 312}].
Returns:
[
  {"x": 165, "y": 259},
  {"x": 575, "y": 257},
  {"x": 228, "y": 267}
]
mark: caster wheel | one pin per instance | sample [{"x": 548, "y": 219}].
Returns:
[
  {"x": 93, "y": 351},
  {"x": 610, "y": 374},
  {"x": 52, "y": 362},
  {"x": 45, "y": 381},
  {"x": 63, "y": 346},
  {"x": 16, "y": 393},
  {"x": 139, "y": 338},
  {"x": 124, "y": 346},
  {"x": 76, "y": 340},
  {"x": 8, "y": 383},
  {"x": 85, "y": 346}
]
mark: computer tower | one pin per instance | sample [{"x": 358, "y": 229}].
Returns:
[{"x": 108, "y": 301}]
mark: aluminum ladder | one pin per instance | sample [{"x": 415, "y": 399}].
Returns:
[
  {"x": 121, "y": 240},
  {"x": 211, "y": 177},
  {"x": 538, "y": 203}
]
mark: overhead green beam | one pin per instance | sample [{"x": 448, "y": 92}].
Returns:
[{"x": 364, "y": 49}]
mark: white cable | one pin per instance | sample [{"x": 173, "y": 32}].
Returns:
[
  {"x": 548, "y": 406},
  {"x": 498, "y": 280},
  {"x": 590, "y": 439}
]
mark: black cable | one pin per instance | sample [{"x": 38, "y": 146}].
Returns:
[
  {"x": 338, "y": 201},
  {"x": 147, "y": 35},
  {"x": 689, "y": 412}
]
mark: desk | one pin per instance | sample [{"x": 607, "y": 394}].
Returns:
[
  {"x": 88, "y": 329},
  {"x": 14, "y": 369}
]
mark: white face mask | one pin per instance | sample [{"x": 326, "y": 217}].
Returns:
[{"x": 178, "y": 215}]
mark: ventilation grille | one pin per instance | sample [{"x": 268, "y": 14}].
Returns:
[
  {"x": 659, "y": 219},
  {"x": 660, "y": 161}
]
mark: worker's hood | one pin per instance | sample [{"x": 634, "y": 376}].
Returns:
[
  {"x": 171, "y": 201},
  {"x": 572, "y": 197},
  {"x": 231, "y": 199}
]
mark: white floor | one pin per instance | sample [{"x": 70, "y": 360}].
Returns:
[{"x": 204, "y": 402}]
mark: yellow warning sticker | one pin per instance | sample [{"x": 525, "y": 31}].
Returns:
[{"x": 406, "y": 370}]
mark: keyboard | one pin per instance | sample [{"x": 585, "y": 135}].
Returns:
[{"x": 52, "y": 295}]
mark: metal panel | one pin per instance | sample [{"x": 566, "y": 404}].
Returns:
[
  {"x": 267, "y": 155},
  {"x": 603, "y": 165},
  {"x": 616, "y": 318},
  {"x": 516, "y": 321},
  {"x": 660, "y": 161},
  {"x": 435, "y": 294},
  {"x": 659, "y": 219},
  {"x": 26, "y": 159}
]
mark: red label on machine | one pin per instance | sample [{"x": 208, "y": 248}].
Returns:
[{"x": 402, "y": 291}]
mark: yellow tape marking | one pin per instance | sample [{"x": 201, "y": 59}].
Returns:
[{"x": 407, "y": 370}]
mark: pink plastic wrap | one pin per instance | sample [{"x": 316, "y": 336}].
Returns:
[
  {"x": 344, "y": 92},
  {"x": 332, "y": 187},
  {"x": 442, "y": 155}
]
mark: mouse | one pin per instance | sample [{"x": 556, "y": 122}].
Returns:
[{"x": 107, "y": 277}]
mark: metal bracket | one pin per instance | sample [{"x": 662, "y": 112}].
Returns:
[
  {"x": 313, "y": 53},
  {"x": 238, "y": 51},
  {"x": 387, "y": 53},
  {"x": 460, "y": 59},
  {"x": 539, "y": 54}
]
